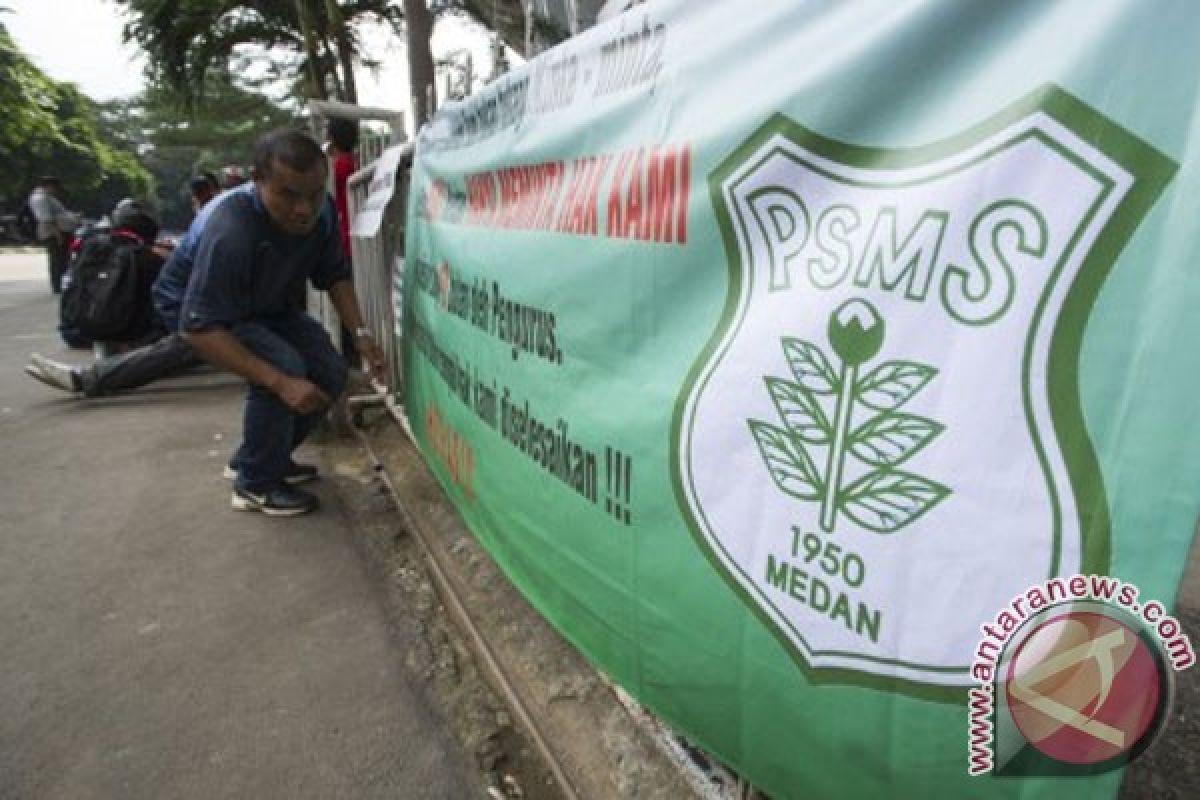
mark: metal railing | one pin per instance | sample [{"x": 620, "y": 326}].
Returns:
[
  {"x": 379, "y": 265},
  {"x": 372, "y": 145}
]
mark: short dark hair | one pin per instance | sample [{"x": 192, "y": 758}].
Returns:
[
  {"x": 202, "y": 184},
  {"x": 290, "y": 146},
  {"x": 49, "y": 180},
  {"x": 343, "y": 133}
]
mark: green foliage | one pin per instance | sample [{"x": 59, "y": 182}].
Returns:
[
  {"x": 142, "y": 147},
  {"x": 220, "y": 131},
  {"x": 187, "y": 41},
  {"x": 51, "y": 128}
]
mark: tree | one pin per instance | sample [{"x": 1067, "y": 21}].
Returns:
[
  {"x": 505, "y": 17},
  {"x": 313, "y": 42},
  {"x": 420, "y": 61},
  {"x": 51, "y": 128},
  {"x": 28, "y": 124},
  {"x": 221, "y": 130}
]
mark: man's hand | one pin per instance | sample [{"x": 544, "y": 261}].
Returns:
[
  {"x": 223, "y": 349},
  {"x": 373, "y": 358},
  {"x": 345, "y": 301},
  {"x": 303, "y": 397}
]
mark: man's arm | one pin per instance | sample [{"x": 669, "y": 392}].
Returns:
[
  {"x": 222, "y": 349},
  {"x": 345, "y": 301},
  {"x": 65, "y": 221}
]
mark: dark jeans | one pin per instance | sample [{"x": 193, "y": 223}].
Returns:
[
  {"x": 137, "y": 367},
  {"x": 56, "y": 256},
  {"x": 297, "y": 345}
]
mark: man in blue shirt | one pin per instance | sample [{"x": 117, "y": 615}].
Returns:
[
  {"x": 240, "y": 311},
  {"x": 232, "y": 293}
]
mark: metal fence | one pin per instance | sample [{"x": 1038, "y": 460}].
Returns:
[
  {"x": 372, "y": 145},
  {"x": 379, "y": 264}
]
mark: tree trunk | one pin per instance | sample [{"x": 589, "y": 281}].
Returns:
[
  {"x": 330, "y": 57},
  {"x": 316, "y": 81},
  {"x": 345, "y": 53},
  {"x": 419, "y": 26}
]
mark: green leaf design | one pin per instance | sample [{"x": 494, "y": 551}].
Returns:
[
  {"x": 810, "y": 367},
  {"x": 886, "y": 500},
  {"x": 891, "y": 439},
  {"x": 893, "y": 383},
  {"x": 799, "y": 410},
  {"x": 785, "y": 458}
]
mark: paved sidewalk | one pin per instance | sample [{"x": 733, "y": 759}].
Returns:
[{"x": 156, "y": 644}]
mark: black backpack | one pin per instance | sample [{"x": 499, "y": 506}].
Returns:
[{"x": 105, "y": 301}]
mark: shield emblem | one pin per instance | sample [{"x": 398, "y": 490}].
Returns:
[{"x": 883, "y": 443}]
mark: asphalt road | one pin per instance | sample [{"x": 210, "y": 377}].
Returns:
[{"x": 156, "y": 644}]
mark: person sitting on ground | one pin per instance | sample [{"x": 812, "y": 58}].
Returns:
[
  {"x": 163, "y": 358},
  {"x": 67, "y": 329},
  {"x": 135, "y": 228},
  {"x": 240, "y": 313},
  {"x": 54, "y": 226},
  {"x": 120, "y": 255}
]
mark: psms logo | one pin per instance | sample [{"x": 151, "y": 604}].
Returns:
[{"x": 889, "y": 409}]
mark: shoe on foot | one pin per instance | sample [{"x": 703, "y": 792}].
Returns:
[
  {"x": 282, "y": 501},
  {"x": 296, "y": 473},
  {"x": 52, "y": 373}
]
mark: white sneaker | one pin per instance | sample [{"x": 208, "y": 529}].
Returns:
[{"x": 52, "y": 373}]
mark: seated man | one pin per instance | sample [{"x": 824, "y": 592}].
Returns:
[
  {"x": 129, "y": 226},
  {"x": 130, "y": 243},
  {"x": 240, "y": 312},
  {"x": 162, "y": 358}
]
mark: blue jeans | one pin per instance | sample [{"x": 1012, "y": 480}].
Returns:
[
  {"x": 295, "y": 344},
  {"x": 159, "y": 359}
]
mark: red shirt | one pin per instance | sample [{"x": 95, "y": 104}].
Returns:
[{"x": 344, "y": 165}]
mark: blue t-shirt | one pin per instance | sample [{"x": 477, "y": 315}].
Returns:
[
  {"x": 236, "y": 265},
  {"x": 172, "y": 280}
]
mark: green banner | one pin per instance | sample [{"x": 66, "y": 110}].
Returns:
[{"x": 774, "y": 348}]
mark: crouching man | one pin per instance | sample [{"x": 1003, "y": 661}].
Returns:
[{"x": 241, "y": 312}]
